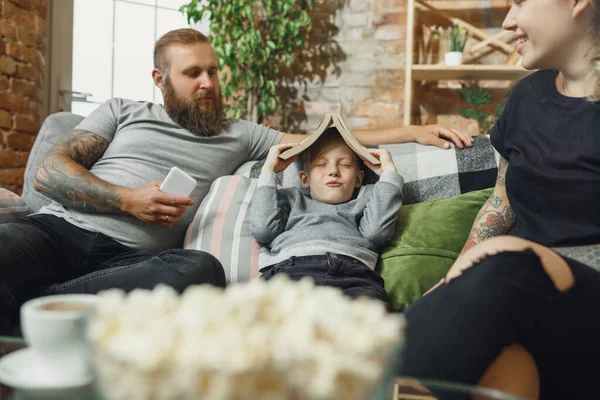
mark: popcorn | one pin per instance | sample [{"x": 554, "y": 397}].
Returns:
[{"x": 259, "y": 340}]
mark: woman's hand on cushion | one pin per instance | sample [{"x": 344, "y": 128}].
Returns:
[{"x": 435, "y": 135}]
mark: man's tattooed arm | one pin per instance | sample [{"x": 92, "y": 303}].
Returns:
[
  {"x": 496, "y": 217},
  {"x": 64, "y": 175}
]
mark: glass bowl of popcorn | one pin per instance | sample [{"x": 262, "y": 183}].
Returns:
[{"x": 258, "y": 340}]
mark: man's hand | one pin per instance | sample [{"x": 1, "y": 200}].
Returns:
[
  {"x": 149, "y": 204},
  {"x": 434, "y": 135},
  {"x": 387, "y": 162},
  {"x": 275, "y": 164}
]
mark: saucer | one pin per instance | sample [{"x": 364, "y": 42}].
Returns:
[{"x": 19, "y": 371}]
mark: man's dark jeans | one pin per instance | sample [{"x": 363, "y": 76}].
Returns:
[
  {"x": 353, "y": 277},
  {"x": 44, "y": 254}
]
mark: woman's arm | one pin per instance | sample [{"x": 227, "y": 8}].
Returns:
[
  {"x": 496, "y": 216},
  {"x": 431, "y": 135}
]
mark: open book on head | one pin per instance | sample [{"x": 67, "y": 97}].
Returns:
[{"x": 332, "y": 120}]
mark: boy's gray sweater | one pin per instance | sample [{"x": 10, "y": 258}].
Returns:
[{"x": 292, "y": 224}]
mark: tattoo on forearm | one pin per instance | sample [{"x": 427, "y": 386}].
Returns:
[
  {"x": 491, "y": 221},
  {"x": 589, "y": 255},
  {"x": 509, "y": 216},
  {"x": 495, "y": 201},
  {"x": 471, "y": 242},
  {"x": 493, "y": 225},
  {"x": 502, "y": 168},
  {"x": 64, "y": 175}
]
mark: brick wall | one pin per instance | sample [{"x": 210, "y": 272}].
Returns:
[
  {"x": 367, "y": 82},
  {"x": 22, "y": 64}
]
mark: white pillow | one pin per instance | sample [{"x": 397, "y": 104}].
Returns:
[
  {"x": 12, "y": 206},
  {"x": 220, "y": 227}
]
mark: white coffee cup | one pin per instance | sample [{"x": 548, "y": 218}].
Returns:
[{"x": 55, "y": 328}]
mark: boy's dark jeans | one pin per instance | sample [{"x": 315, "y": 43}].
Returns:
[
  {"x": 353, "y": 277},
  {"x": 44, "y": 254}
]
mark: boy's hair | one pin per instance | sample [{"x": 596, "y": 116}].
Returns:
[{"x": 328, "y": 139}]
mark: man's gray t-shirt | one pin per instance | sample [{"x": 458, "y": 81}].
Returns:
[{"x": 144, "y": 144}]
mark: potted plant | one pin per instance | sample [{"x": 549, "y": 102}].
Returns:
[
  {"x": 458, "y": 39},
  {"x": 479, "y": 99},
  {"x": 253, "y": 40}
]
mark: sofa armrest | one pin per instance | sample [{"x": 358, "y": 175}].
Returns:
[
  {"x": 55, "y": 126},
  {"x": 12, "y": 205}
]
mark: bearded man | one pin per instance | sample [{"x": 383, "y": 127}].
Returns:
[{"x": 109, "y": 225}]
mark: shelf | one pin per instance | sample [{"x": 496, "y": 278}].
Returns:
[
  {"x": 481, "y": 72},
  {"x": 416, "y": 72}
]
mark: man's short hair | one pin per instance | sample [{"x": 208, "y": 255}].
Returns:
[
  {"x": 328, "y": 139},
  {"x": 177, "y": 36}
]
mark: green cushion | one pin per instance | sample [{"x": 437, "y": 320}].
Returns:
[{"x": 429, "y": 236}]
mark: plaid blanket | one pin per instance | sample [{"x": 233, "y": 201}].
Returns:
[
  {"x": 432, "y": 173},
  {"x": 429, "y": 172}
]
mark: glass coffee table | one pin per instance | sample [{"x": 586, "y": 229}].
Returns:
[
  {"x": 8, "y": 345},
  {"x": 12, "y": 344},
  {"x": 403, "y": 388},
  {"x": 406, "y": 388}
]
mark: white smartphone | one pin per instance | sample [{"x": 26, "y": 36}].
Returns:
[{"x": 178, "y": 183}]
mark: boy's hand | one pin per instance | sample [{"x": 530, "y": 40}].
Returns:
[
  {"x": 387, "y": 163},
  {"x": 276, "y": 164}
]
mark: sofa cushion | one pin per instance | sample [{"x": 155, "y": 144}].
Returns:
[
  {"x": 429, "y": 236},
  {"x": 55, "y": 126},
  {"x": 12, "y": 205},
  {"x": 220, "y": 227},
  {"x": 432, "y": 173}
]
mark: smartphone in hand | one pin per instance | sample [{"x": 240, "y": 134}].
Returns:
[{"x": 178, "y": 183}]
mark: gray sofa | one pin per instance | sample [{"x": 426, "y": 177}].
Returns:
[{"x": 435, "y": 179}]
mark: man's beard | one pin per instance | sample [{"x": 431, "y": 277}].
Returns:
[{"x": 202, "y": 121}]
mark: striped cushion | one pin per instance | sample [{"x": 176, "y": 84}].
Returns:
[
  {"x": 12, "y": 205},
  {"x": 220, "y": 227}
]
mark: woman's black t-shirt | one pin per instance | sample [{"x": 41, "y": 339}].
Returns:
[{"x": 552, "y": 144}]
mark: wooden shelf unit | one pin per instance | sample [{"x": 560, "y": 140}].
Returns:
[
  {"x": 428, "y": 72},
  {"x": 434, "y": 72}
]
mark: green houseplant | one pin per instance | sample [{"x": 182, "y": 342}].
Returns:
[
  {"x": 458, "y": 40},
  {"x": 254, "y": 40},
  {"x": 479, "y": 99}
]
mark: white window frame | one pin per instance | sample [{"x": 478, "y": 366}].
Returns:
[{"x": 58, "y": 84}]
